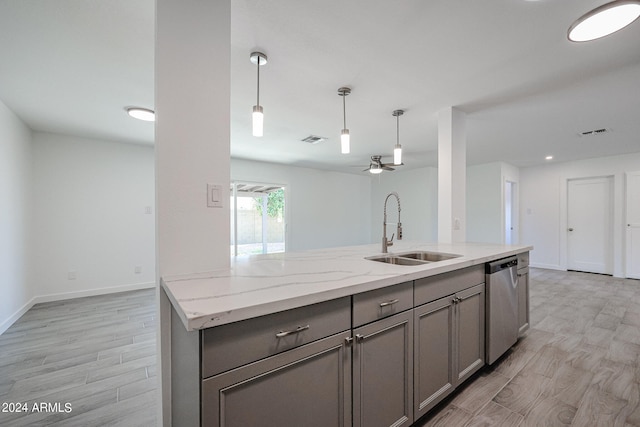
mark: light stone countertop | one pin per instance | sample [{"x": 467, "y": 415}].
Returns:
[{"x": 265, "y": 284}]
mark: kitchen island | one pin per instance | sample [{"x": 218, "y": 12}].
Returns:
[{"x": 328, "y": 336}]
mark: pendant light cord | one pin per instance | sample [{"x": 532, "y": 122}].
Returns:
[
  {"x": 258, "y": 101},
  {"x": 398, "y": 129},
  {"x": 344, "y": 110}
]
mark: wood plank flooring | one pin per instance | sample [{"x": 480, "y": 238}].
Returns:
[
  {"x": 97, "y": 354},
  {"x": 578, "y": 365}
]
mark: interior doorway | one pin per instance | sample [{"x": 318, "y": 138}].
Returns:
[
  {"x": 590, "y": 225},
  {"x": 257, "y": 218}
]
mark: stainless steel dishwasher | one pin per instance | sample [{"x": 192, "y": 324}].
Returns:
[{"x": 502, "y": 306}]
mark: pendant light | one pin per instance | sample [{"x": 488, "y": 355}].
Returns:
[
  {"x": 397, "y": 149},
  {"x": 344, "y": 135},
  {"x": 259, "y": 59},
  {"x": 604, "y": 20}
]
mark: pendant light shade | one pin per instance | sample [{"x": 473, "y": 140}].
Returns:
[
  {"x": 604, "y": 20},
  {"x": 259, "y": 59},
  {"x": 345, "y": 147},
  {"x": 397, "y": 149}
]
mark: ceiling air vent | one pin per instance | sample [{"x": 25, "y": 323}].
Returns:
[
  {"x": 594, "y": 132},
  {"x": 313, "y": 139}
]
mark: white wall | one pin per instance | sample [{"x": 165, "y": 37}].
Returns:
[
  {"x": 15, "y": 210},
  {"x": 418, "y": 191},
  {"x": 323, "y": 209},
  {"x": 543, "y": 206},
  {"x": 90, "y": 200},
  {"x": 485, "y": 201}
]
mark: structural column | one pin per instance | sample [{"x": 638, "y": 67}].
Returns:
[
  {"x": 452, "y": 164},
  {"x": 192, "y": 98}
]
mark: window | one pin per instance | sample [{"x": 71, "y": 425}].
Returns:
[{"x": 257, "y": 218}]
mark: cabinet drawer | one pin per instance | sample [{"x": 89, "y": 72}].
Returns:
[
  {"x": 233, "y": 345},
  {"x": 523, "y": 260},
  {"x": 381, "y": 303},
  {"x": 434, "y": 287}
]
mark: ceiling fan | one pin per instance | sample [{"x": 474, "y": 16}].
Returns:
[{"x": 376, "y": 165}]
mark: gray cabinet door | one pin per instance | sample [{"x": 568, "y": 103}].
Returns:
[
  {"x": 309, "y": 386},
  {"x": 433, "y": 354},
  {"x": 523, "y": 300},
  {"x": 469, "y": 336},
  {"x": 383, "y": 372}
]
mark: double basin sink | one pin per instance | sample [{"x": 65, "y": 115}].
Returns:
[{"x": 412, "y": 258}]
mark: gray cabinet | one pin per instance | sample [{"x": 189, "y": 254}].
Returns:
[
  {"x": 523, "y": 293},
  {"x": 433, "y": 354},
  {"x": 469, "y": 328},
  {"x": 383, "y": 372},
  {"x": 291, "y": 368},
  {"x": 307, "y": 386},
  {"x": 449, "y": 345}
]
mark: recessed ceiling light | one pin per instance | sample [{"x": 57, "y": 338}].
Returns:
[
  {"x": 141, "y": 114},
  {"x": 604, "y": 20},
  {"x": 549, "y": 158}
]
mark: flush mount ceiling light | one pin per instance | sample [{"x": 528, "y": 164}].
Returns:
[
  {"x": 141, "y": 114},
  {"x": 604, "y": 20},
  {"x": 344, "y": 134},
  {"x": 397, "y": 149},
  {"x": 549, "y": 158},
  {"x": 259, "y": 59}
]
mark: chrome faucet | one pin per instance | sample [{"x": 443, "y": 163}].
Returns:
[{"x": 386, "y": 243}]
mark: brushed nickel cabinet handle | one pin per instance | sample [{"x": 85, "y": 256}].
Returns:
[
  {"x": 295, "y": 331},
  {"x": 359, "y": 337},
  {"x": 390, "y": 302}
]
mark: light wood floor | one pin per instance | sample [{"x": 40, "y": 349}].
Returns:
[
  {"x": 97, "y": 353},
  {"x": 578, "y": 365}
]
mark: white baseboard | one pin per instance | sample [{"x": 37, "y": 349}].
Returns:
[
  {"x": 547, "y": 266},
  {"x": 92, "y": 292},
  {"x": 6, "y": 324}
]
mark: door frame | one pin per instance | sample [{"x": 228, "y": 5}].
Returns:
[
  {"x": 618, "y": 208},
  {"x": 627, "y": 225}
]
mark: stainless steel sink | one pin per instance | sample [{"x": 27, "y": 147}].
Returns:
[
  {"x": 413, "y": 258},
  {"x": 389, "y": 259},
  {"x": 428, "y": 256}
]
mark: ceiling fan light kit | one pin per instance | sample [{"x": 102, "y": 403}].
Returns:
[
  {"x": 259, "y": 59},
  {"x": 604, "y": 20},
  {"x": 345, "y": 147}
]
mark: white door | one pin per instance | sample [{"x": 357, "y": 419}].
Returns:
[
  {"x": 589, "y": 231},
  {"x": 510, "y": 234},
  {"x": 633, "y": 225}
]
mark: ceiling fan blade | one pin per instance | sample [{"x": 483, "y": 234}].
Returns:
[{"x": 387, "y": 168}]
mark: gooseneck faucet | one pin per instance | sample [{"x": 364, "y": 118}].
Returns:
[{"x": 386, "y": 243}]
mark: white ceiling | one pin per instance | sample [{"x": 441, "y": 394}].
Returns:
[{"x": 71, "y": 67}]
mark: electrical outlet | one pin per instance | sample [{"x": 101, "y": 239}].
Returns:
[
  {"x": 137, "y": 269},
  {"x": 147, "y": 210},
  {"x": 71, "y": 275}
]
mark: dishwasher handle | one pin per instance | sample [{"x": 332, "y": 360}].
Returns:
[{"x": 501, "y": 264}]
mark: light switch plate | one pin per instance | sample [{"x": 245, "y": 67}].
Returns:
[{"x": 214, "y": 196}]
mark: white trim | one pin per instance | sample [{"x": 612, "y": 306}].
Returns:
[
  {"x": 546, "y": 266},
  {"x": 15, "y": 316},
  {"x": 70, "y": 295}
]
